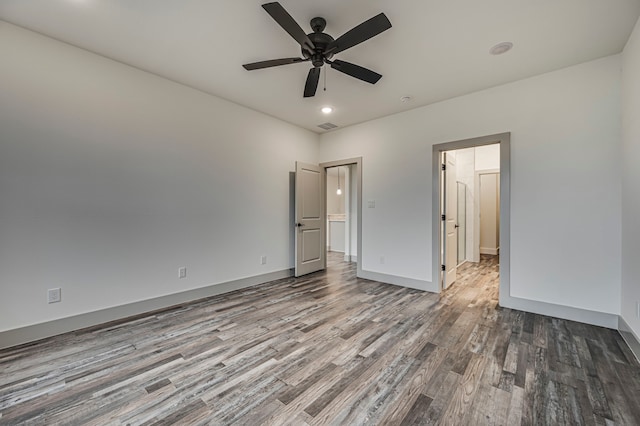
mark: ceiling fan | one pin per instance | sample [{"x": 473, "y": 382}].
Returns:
[{"x": 319, "y": 47}]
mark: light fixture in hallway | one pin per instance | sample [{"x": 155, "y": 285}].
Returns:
[{"x": 339, "y": 191}]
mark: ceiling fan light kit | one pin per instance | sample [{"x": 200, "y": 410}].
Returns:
[{"x": 319, "y": 47}]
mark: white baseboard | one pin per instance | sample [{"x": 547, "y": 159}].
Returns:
[
  {"x": 64, "y": 325},
  {"x": 40, "y": 331},
  {"x": 630, "y": 337},
  {"x": 601, "y": 319},
  {"x": 489, "y": 250},
  {"x": 351, "y": 258},
  {"x": 401, "y": 281},
  {"x": 586, "y": 316}
]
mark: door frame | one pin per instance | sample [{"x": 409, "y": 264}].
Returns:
[
  {"x": 504, "y": 140},
  {"x": 357, "y": 161}
]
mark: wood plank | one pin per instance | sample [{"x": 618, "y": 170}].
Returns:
[
  {"x": 407, "y": 396},
  {"x": 464, "y": 394},
  {"x": 417, "y": 411}
]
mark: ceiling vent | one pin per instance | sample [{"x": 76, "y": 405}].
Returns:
[{"x": 327, "y": 126}]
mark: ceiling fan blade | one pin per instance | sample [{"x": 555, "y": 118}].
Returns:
[
  {"x": 356, "y": 71},
  {"x": 272, "y": 63},
  {"x": 282, "y": 17},
  {"x": 360, "y": 33},
  {"x": 311, "y": 85}
]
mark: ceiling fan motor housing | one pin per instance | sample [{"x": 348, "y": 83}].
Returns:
[{"x": 320, "y": 41}]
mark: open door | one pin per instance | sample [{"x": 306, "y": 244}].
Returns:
[
  {"x": 450, "y": 260},
  {"x": 310, "y": 219}
]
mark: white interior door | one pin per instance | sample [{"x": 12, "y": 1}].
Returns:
[
  {"x": 310, "y": 219},
  {"x": 450, "y": 260}
]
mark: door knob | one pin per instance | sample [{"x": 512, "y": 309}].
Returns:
[
  {"x": 456, "y": 226},
  {"x": 299, "y": 225}
]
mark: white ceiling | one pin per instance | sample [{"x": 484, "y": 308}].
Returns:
[{"x": 437, "y": 49}]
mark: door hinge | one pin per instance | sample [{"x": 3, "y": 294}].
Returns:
[
  {"x": 444, "y": 167},
  {"x": 444, "y": 268},
  {"x": 444, "y": 217}
]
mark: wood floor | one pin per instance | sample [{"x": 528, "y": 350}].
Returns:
[{"x": 329, "y": 349}]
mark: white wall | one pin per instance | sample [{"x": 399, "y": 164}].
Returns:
[
  {"x": 111, "y": 178},
  {"x": 631, "y": 181},
  {"x": 487, "y": 157},
  {"x": 465, "y": 173},
  {"x": 565, "y": 212},
  {"x": 335, "y": 202}
]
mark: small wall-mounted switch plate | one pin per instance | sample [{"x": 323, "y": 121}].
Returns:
[
  {"x": 263, "y": 260},
  {"x": 637, "y": 309},
  {"x": 182, "y": 272},
  {"x": 371, "y": 204},
  {"x": 54, "y": 295},
  {"x": 382, "y": 260}
]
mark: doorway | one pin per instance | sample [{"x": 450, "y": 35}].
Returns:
[
  {"x": 309, "y": 202},
  {"x": 341, "y": 215},
  {"x": 344, "y": 212},
  {"x": 470, "y": 190},
  {"x": 338, "y": 214},
  {"x": 462, "y": 170}
]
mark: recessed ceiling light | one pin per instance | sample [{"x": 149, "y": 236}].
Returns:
[
  {"x": 405, "y": 99},
  {"x": 327, "y": 110},
  {"x": 501, "y": 48}
]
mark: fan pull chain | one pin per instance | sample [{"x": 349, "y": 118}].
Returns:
[{"x": 325, "y": 79}]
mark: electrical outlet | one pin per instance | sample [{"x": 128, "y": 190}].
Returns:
[
  {"x": 371, "y": 204},
  {"x": 182, "y": 272},
  {"x": 54, "y": 295},
  {"x": 263, "y": 260},
  {"x": 382, "y": 260}
]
